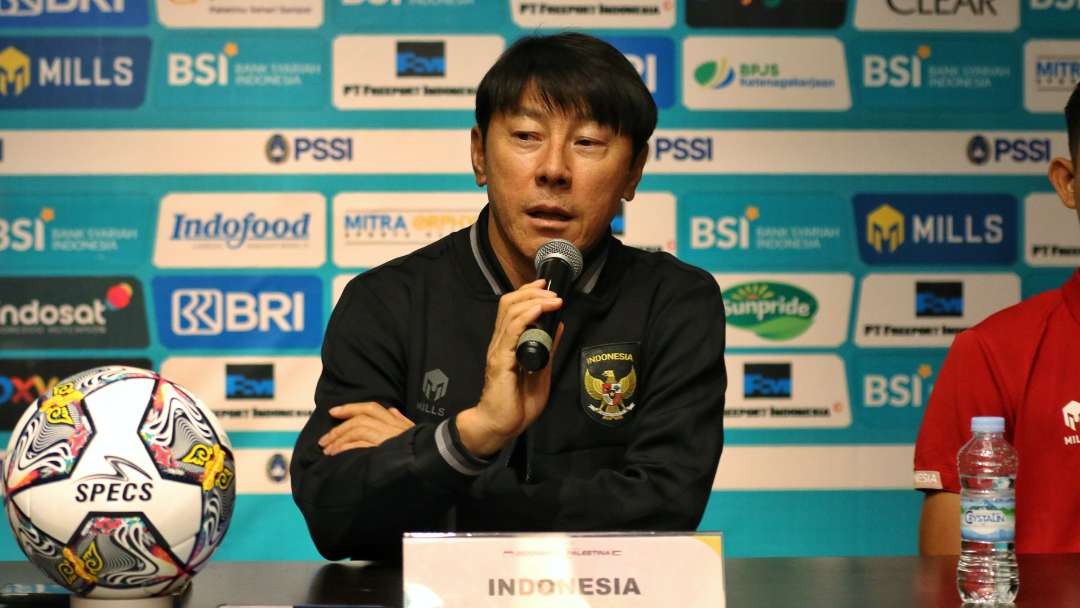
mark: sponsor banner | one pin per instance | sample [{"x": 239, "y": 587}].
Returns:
[
  {"x": 720, "y": 230},
  {"x": 1052, "y": 15},
  {"x": 931, "y": 74},
  {"x": 234, "y": 151},
  {"x": 759, "y": 73},
  {"x": 375, "y": 227},
  {"x": 240, "y": 14},
  {"x": 893, "y": 390},
  {"x": 936, "y": 228},
  {"x": 72, "y": 312},
  {"x": 799, "y": 14},
  {"x": 928, "y": 310},
  {"x": 786, "y": 391},
  {"x": 57, "y": 231},
  {"x": 854, "y": 152},
  {"x": 647, "y": 222},
  {"x": 53, "y": 72},
  {"x": 387, "y": 15},
  {"x": 24, "y": 380},
  {"x": 411, "y": 72},
  {"x": 654, "y": 58},
  {"x": 593, "y": 14},
  {"x": 266, "y": 471},
  {"x": 445, "y": 151},
  {"x": 241, "y": 72},
  {"x": 241, "y": 230},
  {"x": 944, "y": 15},
  {"x": 815, "y": 467},
  {"x": 785, "y": 310},
  {"x": 1051, "y": 236},
  {"x": 1051, "y": 72},
  {"x": 15, "y": 14},
  {"x": 338, "y": 287},
  {"x": 239, "y": 311},
  {"x": 250, "y": 393},
  {"x": 1038, "y": 282}
]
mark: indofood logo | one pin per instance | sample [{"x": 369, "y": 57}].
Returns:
[
  {"x": 715, "y": 74},
  {"x": 773, "y": 311},
  {"x": 885, "y": 229},
  {"x": 14, "y": 71}
]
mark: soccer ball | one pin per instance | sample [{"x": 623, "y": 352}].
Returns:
[{"x": 119, "y": 483}]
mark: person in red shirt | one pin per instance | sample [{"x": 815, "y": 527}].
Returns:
[{"x": 1019, "y": 363}]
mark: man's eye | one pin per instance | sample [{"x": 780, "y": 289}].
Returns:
[{"x": 524, "y": 135}]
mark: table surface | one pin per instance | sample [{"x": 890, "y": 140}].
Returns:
[{"x": 1046, "y": 581}]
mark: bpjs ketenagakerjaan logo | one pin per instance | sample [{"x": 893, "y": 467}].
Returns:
[
  {"x": 72, "y": 312},
  {"x": 247, "y": 311}
]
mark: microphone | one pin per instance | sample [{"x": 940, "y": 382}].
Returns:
[{"x": 559, "y": 263}]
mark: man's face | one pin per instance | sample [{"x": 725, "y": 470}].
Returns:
[{"x": 550, "y": 176}]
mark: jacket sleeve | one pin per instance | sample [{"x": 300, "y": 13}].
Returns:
[
  {"x": 358, "y": 502},
  {"x": 667, "y": 471}
]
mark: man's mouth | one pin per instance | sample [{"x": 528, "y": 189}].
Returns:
[{"x": 549, "y": 214}]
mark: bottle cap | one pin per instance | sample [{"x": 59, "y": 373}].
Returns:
[{"x": 987, "y": 424}]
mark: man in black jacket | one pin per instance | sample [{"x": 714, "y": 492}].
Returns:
[{"x": 425, "y": 422}]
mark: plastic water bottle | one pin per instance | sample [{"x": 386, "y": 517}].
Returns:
[{"x": 987, "y": 572}]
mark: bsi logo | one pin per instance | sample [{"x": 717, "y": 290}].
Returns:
[
  {"x": 727, "y": 232},
  {"x": 895, "y": 71},
  {"x": 898, "y": 390},
  {"x": 25, "y": 233},
  {"x": 201, "y": 69}
]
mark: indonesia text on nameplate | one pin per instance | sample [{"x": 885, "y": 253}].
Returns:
[{"x": 599, "y": 570}]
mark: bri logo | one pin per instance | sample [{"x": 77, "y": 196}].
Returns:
[{"x": 236, "y": 232}]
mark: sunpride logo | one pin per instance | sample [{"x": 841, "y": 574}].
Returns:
[
  {"x": 235, "y": 232},
  {"x": 773, "y": 311}
]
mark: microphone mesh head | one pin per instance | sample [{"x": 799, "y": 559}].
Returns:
[{"x": 562, "y": 249}]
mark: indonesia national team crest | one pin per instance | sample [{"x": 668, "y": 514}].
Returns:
[{"x": 609, "y": 381}]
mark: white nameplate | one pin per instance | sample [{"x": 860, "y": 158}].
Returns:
[{"x": 586, "y": 570}]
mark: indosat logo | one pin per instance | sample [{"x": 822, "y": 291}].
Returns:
[
  {"x": 773, "y": 311},
  {"x": 73, "y": 72},
  {"x": 80, "y": 317}
]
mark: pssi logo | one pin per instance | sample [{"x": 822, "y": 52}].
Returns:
[
  {"x": 424, "y": 59},
  {"x": 939, "y": 299},
  {"x": 25, "y": 233},
  {"x": 319, "y": 149},
  {"x": 249, "y": 381},
  {"x": 981, "y": 150},
  {"x": 895, "y": 71},
  {"x": 693, "y": 149},
  {"x": 727, "y": 232},
  {"x": 201, "y": 69},
  {"x": 898, "y": 390},
  {"x": 767, "y": 381}
]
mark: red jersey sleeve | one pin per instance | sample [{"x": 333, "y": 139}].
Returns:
[{"x": 967, "y": 386}]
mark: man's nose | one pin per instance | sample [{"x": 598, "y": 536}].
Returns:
[{"x": 554, "y": 170}]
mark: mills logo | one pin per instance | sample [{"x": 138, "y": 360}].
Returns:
[
  {"x": 953, "y": 228},
  {"x": 773, "y": 311},
  {"x": 49, "y": 72}
]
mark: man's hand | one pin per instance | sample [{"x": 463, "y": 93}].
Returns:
[
  {"x": 512, "y": 399},
  {"x": 365, "y": 425}
]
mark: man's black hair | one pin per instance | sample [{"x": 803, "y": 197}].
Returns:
[
  {"x": 1072, "y": 121},
  {"x": 574, "y": 74}
]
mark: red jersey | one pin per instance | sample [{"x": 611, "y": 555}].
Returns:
[{"x": 1022, "y": 363}]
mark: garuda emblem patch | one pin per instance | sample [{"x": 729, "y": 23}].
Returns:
[{"x": 609, "y": 381}]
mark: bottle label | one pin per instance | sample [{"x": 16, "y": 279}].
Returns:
[{"x": 988, "y": 519}]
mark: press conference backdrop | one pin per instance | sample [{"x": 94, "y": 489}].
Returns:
[{"x": 188, "y": 184}]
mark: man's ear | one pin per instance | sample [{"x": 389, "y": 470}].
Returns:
[
  {"x": 636, "y": 170},
  {"x": 1063, "y": 178},
  {"x": 477, "y": 153}
]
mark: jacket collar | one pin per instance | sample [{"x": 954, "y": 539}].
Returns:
[{"x": 1071, "y": 291}]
